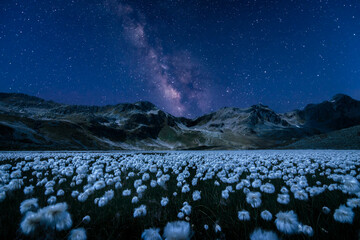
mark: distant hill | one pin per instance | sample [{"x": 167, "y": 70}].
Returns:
[
  {"x": 31, "y": 123},
  {"x": 348, "y": 138}
]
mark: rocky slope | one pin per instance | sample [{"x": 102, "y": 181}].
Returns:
[{"x": 31, "y": 123}]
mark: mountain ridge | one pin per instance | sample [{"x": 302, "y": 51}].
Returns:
[{"x": 32, "y": 123}]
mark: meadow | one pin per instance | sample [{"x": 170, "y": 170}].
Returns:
[{"x": 303, "y": 194}]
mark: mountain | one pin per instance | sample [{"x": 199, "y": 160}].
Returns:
[
  {"x": 347, "y": 138},
  {"x": 31, "y": 123}
]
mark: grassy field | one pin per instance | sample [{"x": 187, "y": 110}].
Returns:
[{"x": 208, "y": 190}]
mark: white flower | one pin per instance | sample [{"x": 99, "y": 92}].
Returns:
[
  {"x": 283, "y": 198},
  {"x": 99, "y": 185},
  {"x": 267, "y": 188},
  {"x": 301, "y": 195},
  {"x": 179, "y": 230},
  {"x": 118, "y": 185},
  {"x": 28, "y": 205},
  {"x": 153, "y": 183},
  {"x": 86, "y": 219},
  {"x": 137, "y": 183},
  {"x": 77, "y": 234},
  {"x": 185, "y": 188},
  {"x": 103, "y": 201},
  {"x": 196, "y": 195},
  {"x": 254, "y": 199},
  {"x": 140, "y": 211},
  {"x": 344, "y": 214},
  {"x": 29, "y": 190},
  {"x": 351, "y": 184},
  {"x": 145, "y": 177},
  {"x": 164, "y": 201},
  {"x": 186, "y": 209},
  {"x": 326, "y": 210},
  {"x": 225, "y": 194},
  {"x": 284, "y": 190},
  {"x": 134, "y": 200},
  {"x": 109, "y": 194},
  {"x": 83, "y": 197},
  {"x": 126, "y": 192},
  {"x": 31, "y": 222},
  {"x": 217, "y": 228},
  {"x": 60, "y": 193},
  {"x": 74, "y": 194},
  {"x": 151, "y": 234},
  {"x": 51, "y": 200},
  {"x": 266, "y": 215},
  {"x": 57, "y": 217},
  {"x": 259, "y": 234},
  {"x": 353, "y": 202},
  {"x": 256, "y": 183},
  {"x": 244, "y": 215},
  {"x": 287, "y": 222},
  {"x": 307, "y": 230}
]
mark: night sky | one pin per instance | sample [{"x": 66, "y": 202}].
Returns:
[{"x": 188, "y": 57}]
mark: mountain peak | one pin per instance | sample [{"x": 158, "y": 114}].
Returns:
[
  {"x": 146, "y": 106},
  {"x": 341, "y": 97}
]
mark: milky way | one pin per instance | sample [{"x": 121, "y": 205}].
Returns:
[
  {"x": 187, "y": 57},
  {"x": 177, "y": 79}
]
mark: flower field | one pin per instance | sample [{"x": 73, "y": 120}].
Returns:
[{"x": 304, "y": 194}]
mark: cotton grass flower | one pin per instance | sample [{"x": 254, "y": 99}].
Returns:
[
  {"x": 151, "y": 234},
  {"x": 243, "y": 215},
  {"x": 353, "y": 202},
  {"x": 164, "y": 201},
  {"x": 307, "y": 230},
  {"x": 140, "y": 211},
  {"x": 179, "y": 230},
  {"x": 301, "y": 195},
  {"x": 186, "y": 209},
  {"x": 31, "y": 222},
  {"x": 134, "y": 200},
  {"x": 217, "y": 228},
  {"x": 259, "y": 234},
  {"x": 266, "y": 215},
  {"x": 60, "y": 193},
  {"x": 29, "y": 205},
  {"x": 77, "y": 234},
  {"x": 326, "y": 210},
  {"x": 126, "y": 192},
  {"x": 86, "y": 219},
  {"x": 185, "y": 188},
  {"x": 287, "y": 222},
  {"x": 180, "y": 215},
  {"x": 344, "y": 214},
  {"x": 254, "y": 199},
  {"x": 267, "y": 188},
  {"x": 196, "y": 195},
  {"x": 225, "y": 194},
  {"x": 56, "y": 216},
  {"x": 351, "y": 184},
  {"x": 29, "y": 190},
  {"x": 283, "y": 198},
  {"x": 51, "y": 200}
]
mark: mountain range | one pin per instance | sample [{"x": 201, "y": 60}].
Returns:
[{"x": 32, "y": 123}]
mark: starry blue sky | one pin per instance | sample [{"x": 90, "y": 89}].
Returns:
[{"x": 189, "y": 57}]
